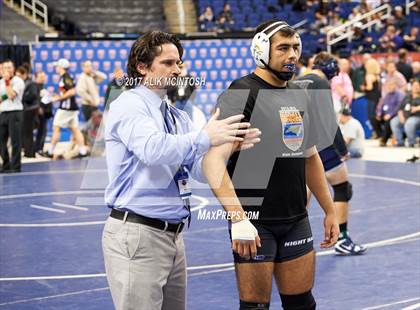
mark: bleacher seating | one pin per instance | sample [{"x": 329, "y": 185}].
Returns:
[
  {"x": 16, "y": 27},
  {"x": 111, "y": 16},
  {"x": 250, "y": 13}
]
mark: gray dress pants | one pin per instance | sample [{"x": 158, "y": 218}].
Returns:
[{"x": 145, "y": 267}]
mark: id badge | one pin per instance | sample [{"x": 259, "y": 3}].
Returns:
[{"x": 183, "y": 184}]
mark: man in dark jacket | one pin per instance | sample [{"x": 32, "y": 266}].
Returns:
[
  {"x": 30, "y": 102},
  {"x": 183, "y": 92},
  {"x": 402, "y": 64},
  {"x": 44, "y": 112}
]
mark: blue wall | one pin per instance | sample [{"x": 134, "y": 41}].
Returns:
[{"x": 218, "y": 61}]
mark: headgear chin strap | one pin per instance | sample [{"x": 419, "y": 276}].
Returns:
[
  {"x": 282, "y": 75},
  {"x": 329, "y": 67},
  {"x": 260, "y": 46}
]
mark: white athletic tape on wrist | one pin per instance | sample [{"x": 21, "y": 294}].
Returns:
[{"x": 243, "y": 230}]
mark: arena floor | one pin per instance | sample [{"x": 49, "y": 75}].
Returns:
[{"x": 52, "y": 219}]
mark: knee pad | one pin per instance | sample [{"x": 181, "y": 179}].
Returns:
[
  {"x": 304, "y": 301},
  {"x": 245, "y": 305},
  {"x": 343, "y": 192}
]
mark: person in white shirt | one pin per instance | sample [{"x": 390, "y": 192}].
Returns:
[
  {"x": 353, "y": 133},
  {"x": 87, "y": 88},
  {"x": 11, "y": 117}
]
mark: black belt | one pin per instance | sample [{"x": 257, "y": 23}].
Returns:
[
  {"x": 5, "y": 112},
  {"x": 140, "y": 219}
]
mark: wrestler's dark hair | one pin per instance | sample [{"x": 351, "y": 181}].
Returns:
[{"x": 323, "y": 57}]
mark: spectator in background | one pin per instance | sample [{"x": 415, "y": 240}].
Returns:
[
  {"x": 379, "y": 24},
  {"x": 87, "y": 88},
  {"x": 403, "y": 66},
  {"x": 31, "y": 101},
  {"x": 408, "y": 118},
  {"x": 355, "y": 13},
  {"x": 358, "y": 74},
  {"x": 206, "y": 19},
  {"x": 364, "y": 8},
  {"x": 181, "y": 94},
  {"x": 400, "y": 21},
  {"x": 227, "y": 13},
  {"x": 11, "y": 117},
  {"x": 93, "y": 134},
  {"x": 302, "y": 65},
  {"x": 386, "y": 110},
  {"x": 44, "y": 112},
  {"x": 360, "y": 41},
  {"x": 341, "y": 86},
  {"x": 416, "y": 7},
  {"x": 412, "y": 40},
  {"x": 368, "y": 45},
  {"x": 358, "y": 35},
  {"x": 300, "y": 5},
  {"x": 416, "y": 70},
  {"x": 225, "y": 22},
  {"x": 390, "y": 21},
  {"x": 67, "y": 115},
  {"x": 372, "y": 88},
  {"x": 115, "y": 87},
  {"x": 353, "y": 133},
  {"x": 390, "y": 41},
  {"x": 393, "y": 74},
  {"x": 334, "y": 21},
  {"x": 321, "y": 19},
  {"x": 322, "y": 8},
  {"x": 307, "y": 64}
]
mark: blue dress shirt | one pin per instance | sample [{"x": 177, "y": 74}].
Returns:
[{"x": 142, "y": 158}]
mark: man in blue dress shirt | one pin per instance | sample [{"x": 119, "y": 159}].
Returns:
[{"x": 151, "y": 149}]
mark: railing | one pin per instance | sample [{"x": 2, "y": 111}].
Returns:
[
  {"x": 300, "y": 24},
  {"x": 408, "y": 5},
  {"x": 37, "y": 8},
  {"x": 345, "y": 31},
  {"x": 181, "y": 15}
]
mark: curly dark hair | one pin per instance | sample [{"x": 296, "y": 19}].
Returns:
[{"x": 147, "y": 47}]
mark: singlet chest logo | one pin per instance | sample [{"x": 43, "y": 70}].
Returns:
[{"x": 292, "y": 127}]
